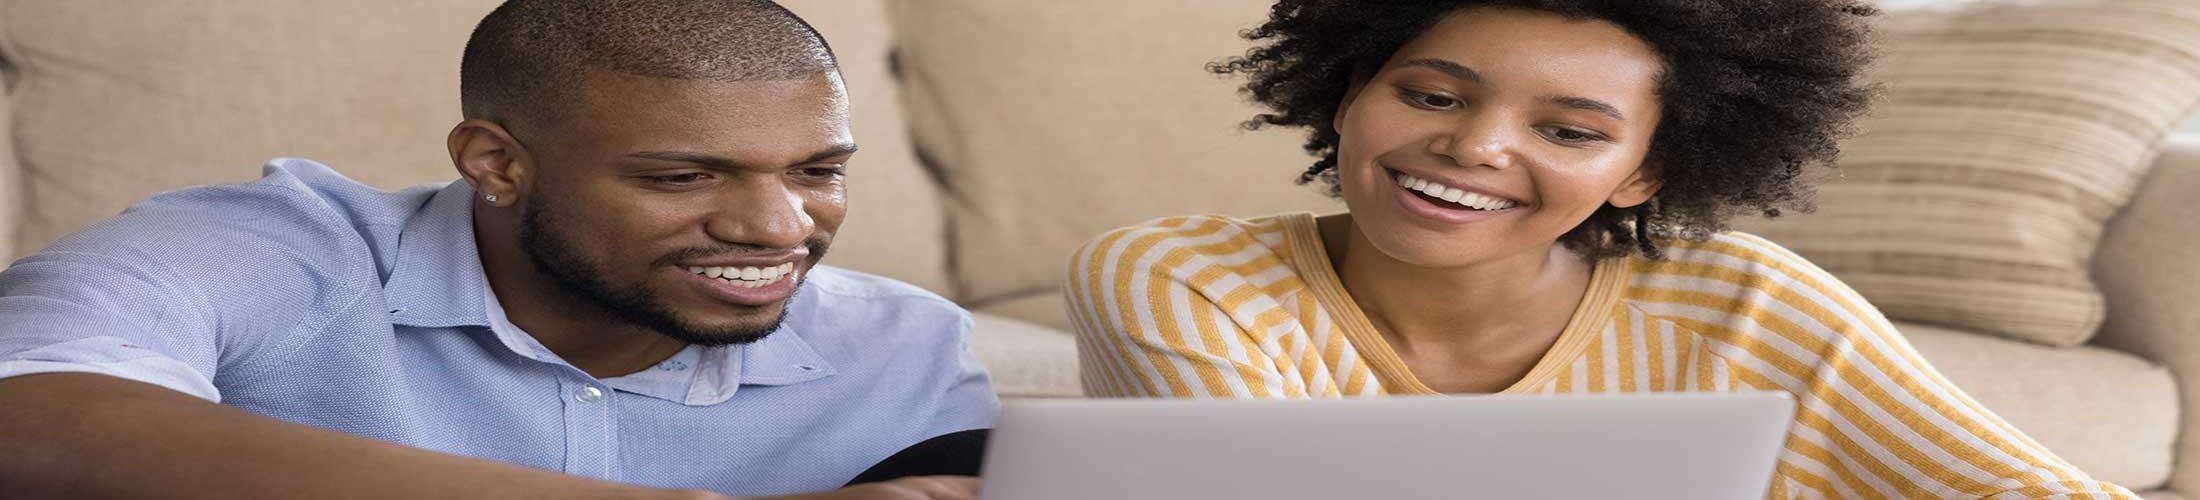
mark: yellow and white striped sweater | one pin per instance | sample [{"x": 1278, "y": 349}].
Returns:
[{"x": 1211, "y": 307}]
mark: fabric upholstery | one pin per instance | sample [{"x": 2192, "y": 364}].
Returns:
[
  {"x": 119, "y": 100},
  {"x": 1045, "y": 308},
  {"x": 1052, "y": 122},
  {"x": 2109, "y": 413},
  {"x": 2161, "y": 495},
  {"x": 1026, "y": 360},
  {"x": 11, "y": 196},
  {"x": 1976, "y": 191},
  {"x": 2149, "y": 268}
]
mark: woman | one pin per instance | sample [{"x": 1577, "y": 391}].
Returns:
[{"x": 1536, "y": 193}]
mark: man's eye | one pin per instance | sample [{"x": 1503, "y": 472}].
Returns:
[
  {"x": 679, "y": 179},
  {"x": 822, "y": 172}
]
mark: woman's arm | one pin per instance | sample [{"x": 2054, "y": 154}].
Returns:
[{"x": 1873, "y": 417}]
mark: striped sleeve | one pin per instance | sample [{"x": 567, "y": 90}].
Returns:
[
  {"x": 1145, "y": 326},
  {"x": 1874, "y": 420}
]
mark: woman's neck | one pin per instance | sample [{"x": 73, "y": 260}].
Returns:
[{"x": 1516, "y": 304}]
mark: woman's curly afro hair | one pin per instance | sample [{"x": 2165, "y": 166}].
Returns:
[{"x": 1753, "y": 92}]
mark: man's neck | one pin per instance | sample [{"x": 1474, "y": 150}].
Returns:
[{"x": 575, "y": 328}]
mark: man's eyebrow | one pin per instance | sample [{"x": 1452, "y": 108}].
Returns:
[
  {"x": 1456, "y": 70},
  {"x": 1587, "y": 104},
  {"x": 720, "y": 162}
]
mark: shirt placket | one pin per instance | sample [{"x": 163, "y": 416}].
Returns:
[{"x": 590, "y": 439}]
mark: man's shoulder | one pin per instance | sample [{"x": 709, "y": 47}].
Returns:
[
  {"x": 295, "y": 203},
  {"x": 295, "y": 210}
]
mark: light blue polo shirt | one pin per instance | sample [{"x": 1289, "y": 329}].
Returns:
[{"x": 308, "y": 297}]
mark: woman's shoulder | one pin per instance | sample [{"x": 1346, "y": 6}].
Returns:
[
  {"x": 1740, "y": 270},
  {"x": 1728, "y": 253},
  {"x": 1197, "y": 235},
  {"x": 1198, "y": 250}
]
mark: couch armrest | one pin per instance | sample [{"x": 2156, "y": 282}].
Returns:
[{"x": 2148, "y": 266}]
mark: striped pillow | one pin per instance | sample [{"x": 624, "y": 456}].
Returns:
[{"x": 2009, "y": 133}]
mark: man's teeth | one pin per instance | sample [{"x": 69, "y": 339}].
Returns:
[
  {"x": 747, "y": 277},
  {"x": 1454, "y": 195}
]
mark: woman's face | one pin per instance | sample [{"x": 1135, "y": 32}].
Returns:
[{"x": 1495, "y": 133}]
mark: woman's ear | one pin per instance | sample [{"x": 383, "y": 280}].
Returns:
[
  {"x": 491, "y": 160},
  {"x": 1639, "y": 187}
]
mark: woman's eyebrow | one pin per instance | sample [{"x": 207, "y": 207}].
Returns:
[
  {"x": 1586, "y": 104},
  {"x": 1456, "y": 70}
]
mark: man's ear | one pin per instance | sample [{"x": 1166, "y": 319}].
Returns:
[
  {"x": 1639, "y": 187},
  {"x": 490, "y": 160}
]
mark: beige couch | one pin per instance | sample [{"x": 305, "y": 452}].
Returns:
[{"x": 1026, "y": 111}]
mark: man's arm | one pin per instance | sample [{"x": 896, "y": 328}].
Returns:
[
  {"x": 71, "y": 435},
  {"x": 85, "y": 436}
]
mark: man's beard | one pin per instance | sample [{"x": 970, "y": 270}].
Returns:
[{"x": 577, "y": 275}]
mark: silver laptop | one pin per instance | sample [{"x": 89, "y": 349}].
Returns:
[{"x": 1677, "y": 446}]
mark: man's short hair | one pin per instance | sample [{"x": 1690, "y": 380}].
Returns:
[{"x": 527, "y": 60}]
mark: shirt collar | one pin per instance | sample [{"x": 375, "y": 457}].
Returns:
[
  {"x": 438, "y": 282},
  {"x": 703, "y": 376}
]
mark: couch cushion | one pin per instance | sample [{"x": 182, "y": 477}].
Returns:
[
  {"x": 896, "y": 224},
  {"x": 1052, "y": 122},
  {"x": 2111, "y": 414},
  {"x": 119, "y": 100},
  {"x": 2149, "y": 267},
  {"x": 1025, "y": 359},
  {"x": 2010, "y": 131},
  {"x": 1043, "y": 308}
]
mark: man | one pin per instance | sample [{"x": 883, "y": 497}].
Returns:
[{"x": 621, "y": 300}]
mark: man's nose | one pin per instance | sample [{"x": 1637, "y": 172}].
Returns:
[{"x": 761, "y": 213}]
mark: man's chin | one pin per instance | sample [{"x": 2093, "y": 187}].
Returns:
[{"x": 751, "y": 324}]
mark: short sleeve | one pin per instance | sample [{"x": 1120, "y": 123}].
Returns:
[{"x": 177, "y": 288}]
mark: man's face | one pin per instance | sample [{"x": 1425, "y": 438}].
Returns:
[{"x": 691, "y": 207}]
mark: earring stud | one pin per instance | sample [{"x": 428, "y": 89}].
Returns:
[{"x": 492, "y": 198}]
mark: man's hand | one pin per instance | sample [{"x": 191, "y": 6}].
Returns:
[{"x": 908, "y": 488}]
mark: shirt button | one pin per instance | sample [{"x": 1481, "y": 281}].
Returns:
[{"x": 588, "y": 395}]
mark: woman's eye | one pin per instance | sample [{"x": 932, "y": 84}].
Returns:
[
  {"x": 1426, "y": 100},
  {"x": 1573, "y": 136}
]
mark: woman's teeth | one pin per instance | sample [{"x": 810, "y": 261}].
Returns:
[
  {"x": 747, "y": 277},
  {"x": 1454, "y": 195}
]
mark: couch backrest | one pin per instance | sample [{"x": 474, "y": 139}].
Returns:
[
  {"x": 1055, "y": 121},
  {"x": 118, "y": 100}
]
